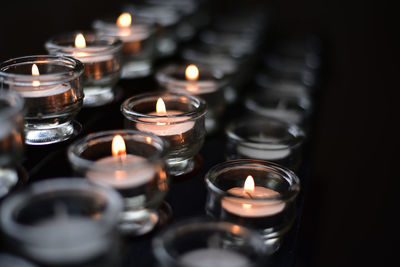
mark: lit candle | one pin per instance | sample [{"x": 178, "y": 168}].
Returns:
[
  {"x": 120, "y": 175},
  {"x": 167, "y": 123},
  {"x": 87, "y": 54},
  {"x": 213, "y": 257},
  {"x": 263, "y": 147},
  {"x": 248, "y": 202},
  {"x": 38, "y": 90}
]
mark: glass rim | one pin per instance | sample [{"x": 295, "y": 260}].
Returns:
[
  {"x": 78, "y": 161},
  {"x": 293, "y": 129},
  {"x": 27, "y": 233},
  {"x": 110, "y": 25},
  {"x": 286, "y": 174},
  {"x": 45, "y": 79},
  {"x": 200, "y": 109},
  {"x": 13, "y": 109},
  {"x": 200, "y": 223},
  {"x": 113, "y": 44}
]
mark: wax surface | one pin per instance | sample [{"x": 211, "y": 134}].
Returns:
[
  {"x": 164, "y": 126},
  {"x": 87, "y": 57},
  {"x": 213, "y": 257},
  {"x": 126, "y": 177},
  {"x": 263, "y": 149},
  {"x": 249, "y": 206},
  {"x": 42, "y": 91}
]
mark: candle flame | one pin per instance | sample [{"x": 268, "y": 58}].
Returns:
[
  {"x": 118, "y": 148},
  {"x": 246, "y": 206},
  {"x": 80, "y": 41},
  {"x": 35, "y": 72},
  {"x": 124, "y": 20},
  {"x": 148, "y": 139},
  {"x": 192, "y": 73},
  {"x": 160, "y": 107},
  {"x": 249, "y": 184}
]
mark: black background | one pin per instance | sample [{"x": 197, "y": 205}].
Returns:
[{"x": 350, "y": 213}]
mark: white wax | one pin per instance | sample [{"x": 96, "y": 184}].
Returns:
[
  {"x": 283, "y": 114},
  {"x": 194, "y": 88},
  {"x": 249, "y": 206},
  {"x": 124, "y": 178},
  {"x": 132, "y": 34},
  {"x": 166, "y": 126},
  {"x": 87, "y": 57},
  {"x": 213, "y": 257},
  {"x": 41, "y": 91},
  {"x": 263, "y": 148}
]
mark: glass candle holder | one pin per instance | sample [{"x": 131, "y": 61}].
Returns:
[
  {"x": 258, "y": 194},
  {"x": 265, "y": 139},
  {"x": 166, "y": 20},
  {"x": 51, "y": 88},
  {"x": 132, "y": 163},
  {"x": 201, "y": 243},
  {"x": 279, "y": 105},
  {"x": 63, "y": 222},
  {"x": 177, "y": 118},
  {"x": 198, "y": 81},
  {"x": 11, "y": 139},
  {"x": 9, "y": 260},
  {"x": 138, "y": 50},
  {"x": 101, "y": 56}
]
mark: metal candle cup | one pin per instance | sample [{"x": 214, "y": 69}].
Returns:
[
  {"x": 202, "y": 243},
  {"x": 138, "y": 44},
  {"x": 63, "y": 222},
  {"x": 11, "y": 139},
  {"x": 101, "y": 57},
  {"x": 267, "y": 206},
  {"x": 132, "y": 163},
  {"x": 51, "y": 88},
  {"x": 181, "y": 125},
  {"x": 206, "y": 83}
]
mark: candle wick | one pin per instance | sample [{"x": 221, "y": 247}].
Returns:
[{"x": 248, "y": 194}]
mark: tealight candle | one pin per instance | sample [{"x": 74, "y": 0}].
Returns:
[
  {"x": 200, "y": 242},
  {"x": 131, "y": 162},
  {"x": 138, "y": 43},
  {"x": 11, "y": 139},
  {"x": 52, "y": 91},
  {"x": 177, "y": 118},
  {"x": 254, "y": 193},
  {"x": 63, "y": 222},
  {"x": 271, "y": 139},
  {"x": 101, "y": 57},
  {"x": 198, "y": 81}
]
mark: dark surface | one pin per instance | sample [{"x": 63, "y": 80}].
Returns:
[{"x": 351, "y": 202}]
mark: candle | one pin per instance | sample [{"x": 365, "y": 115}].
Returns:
[
  {"x": 88, "y": 54},
  {"x": 247, "y": 205},
  {"x": 213, "y": 257},
  {"x": 120, "y": 176},
  {"x": 38, "y": 90},
  {"x": 167, "y": 123},
  {"x": 263, "y": 147}
]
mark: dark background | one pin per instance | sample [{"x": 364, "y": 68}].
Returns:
[{"x": 350, "y": 212}]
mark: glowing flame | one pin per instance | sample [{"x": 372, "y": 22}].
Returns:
[
  {"x": 192, "y": 73},
  {"x": 80, "y": 41},
  {"x": 148, "y": 139},
  {"x": 118, "y": 148},
  {"x": 160, "y": 107},
  {"x": 124, "y": 20},
  {"x": 249, "y": 184},
  {"x": 35, "y": 72},
  {"x": 246, "y": 206}
]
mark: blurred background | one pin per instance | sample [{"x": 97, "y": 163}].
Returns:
[{"x": 351, "y": 201}]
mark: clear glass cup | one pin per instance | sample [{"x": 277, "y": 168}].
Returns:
[
  {"x": 209, "y": 85},
  {"x": 11, "y": 139},
  {"x": 166, "y": 20},
  {"x": 138, "y": 50},
  {"x": 200, "y": 242},
  {"x": 138, "y": 173},
  {"x": 63, "y": 222},
  {"x": 101, "y": 57},
  {"x": 258, "y": 194},
  {"x": 181, "y": 125},
  {"x": 52, "y": 90},
  {"x": 265, "y": 139},
  {"x": 9, "y": 260}
]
